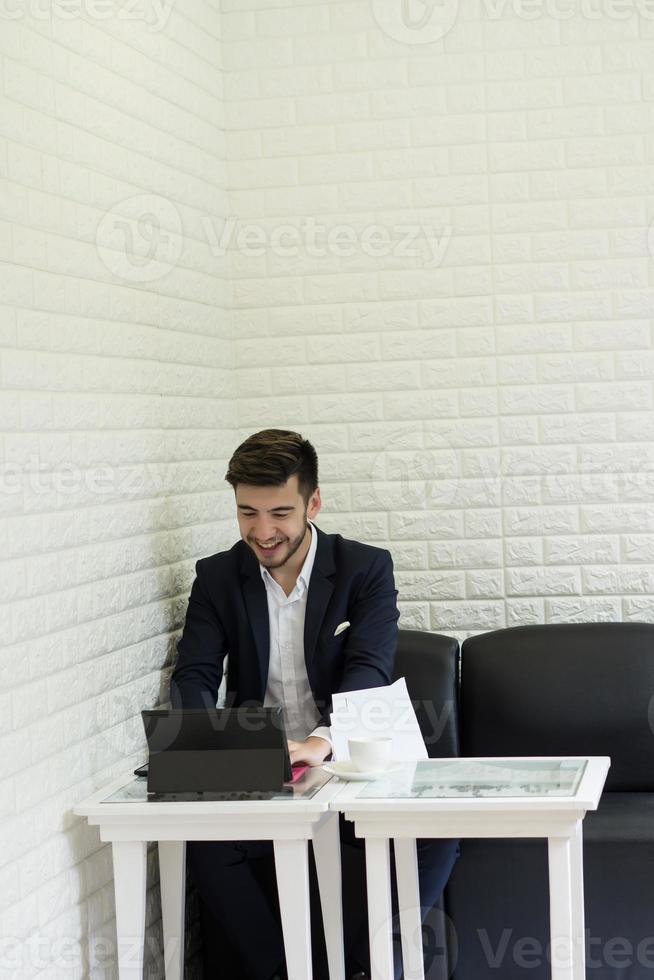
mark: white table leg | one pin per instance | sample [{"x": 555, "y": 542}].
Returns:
[
  {"x": 578, "y": 916},
  {"x": 292, "y": 870},
  {"x": 129, "y": 859},
  {"x": 561, "y": 916},
  {"x": 408, "y": 900},
  {"x": 172, "y": 879},
  {"x": 327, "y": 854},
  {"x": 380, "y": 913}
]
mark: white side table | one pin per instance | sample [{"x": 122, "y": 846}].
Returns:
[
  {"x": 494, "y": 797},
  {"x": 129, "y": 820}
]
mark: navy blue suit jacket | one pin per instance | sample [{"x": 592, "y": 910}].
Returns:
[{"x": 228, "y": 614}]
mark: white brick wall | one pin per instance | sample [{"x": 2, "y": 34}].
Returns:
[
  {"x": 118, "y": 415},
  {"x": 443, "y": 278},
  {"x": 482, "y": 407}
]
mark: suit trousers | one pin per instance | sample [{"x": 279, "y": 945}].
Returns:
[{"x": 241, "y": 929}]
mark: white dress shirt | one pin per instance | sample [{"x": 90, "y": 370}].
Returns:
[{"x": 288, "y": 684}]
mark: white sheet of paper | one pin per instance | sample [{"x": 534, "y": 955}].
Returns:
[{"x": 377, "y": 711}]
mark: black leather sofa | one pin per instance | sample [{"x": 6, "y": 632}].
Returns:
[
  {"x": 560, "y": 690},
  {"x": 429, "y": 662}
]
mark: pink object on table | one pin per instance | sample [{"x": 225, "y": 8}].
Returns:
[{"x": 298, "y": 770}]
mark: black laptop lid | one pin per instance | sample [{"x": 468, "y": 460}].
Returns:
[{"x": 212, "y": 750}]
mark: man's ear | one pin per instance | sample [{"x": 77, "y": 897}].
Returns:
[{"x": 315, "y": 503}]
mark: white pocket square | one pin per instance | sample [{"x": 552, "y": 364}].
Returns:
[{"x": 341, "y": 627}]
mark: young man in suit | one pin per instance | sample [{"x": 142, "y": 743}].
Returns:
[{"x": 277, "y": 602}]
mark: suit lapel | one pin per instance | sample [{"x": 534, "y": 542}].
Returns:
[
  {"x": 256, "y": 603},
  {"x": 321, "y": 587}
]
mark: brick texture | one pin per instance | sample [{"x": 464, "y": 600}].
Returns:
[
  {"x": 467, "y": 209},
  {"x": 428, "y": 247},
  {"x": 118, "y": 409}
]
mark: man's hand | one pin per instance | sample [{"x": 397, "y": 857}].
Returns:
[{"x": 313, "y": 750}]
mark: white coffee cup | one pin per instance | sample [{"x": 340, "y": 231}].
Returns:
[{"x": 370, "y": 753}]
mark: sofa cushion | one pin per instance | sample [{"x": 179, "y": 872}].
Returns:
[
  {"x": 430, "y": 664},
  {"x": 621, "y": 817},
  {"x": 568, "y": 689}
]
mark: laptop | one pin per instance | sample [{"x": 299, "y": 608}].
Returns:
[{"x": 206, "y": 751}]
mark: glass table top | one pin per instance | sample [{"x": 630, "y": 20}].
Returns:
[
  {"x": 459, "y": 778},
  {"x": 136, "y": 791}
]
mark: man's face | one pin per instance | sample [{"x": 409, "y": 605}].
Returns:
[{"x": 273, "y": 520}]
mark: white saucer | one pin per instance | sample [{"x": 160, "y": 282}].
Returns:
[{"x": 345, "y": 771}]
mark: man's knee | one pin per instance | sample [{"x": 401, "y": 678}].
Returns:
[
  {"x": 440, "y": 847},
  {"x": 437, "y": 854}
]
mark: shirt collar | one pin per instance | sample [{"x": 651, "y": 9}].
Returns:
[{"x": 304, "y": 577}]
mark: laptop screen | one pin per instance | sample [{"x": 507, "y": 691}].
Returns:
[{"x": 209, "y": 747}]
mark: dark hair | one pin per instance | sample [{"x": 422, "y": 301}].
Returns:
[{"x": 270, "y": 457}]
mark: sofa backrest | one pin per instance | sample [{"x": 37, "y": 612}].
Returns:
[
  {"x": 430, "y": 664},
  {"x": 569, "y": 689}
]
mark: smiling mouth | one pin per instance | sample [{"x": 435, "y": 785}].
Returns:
[{"x": 268, "y": 549}]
